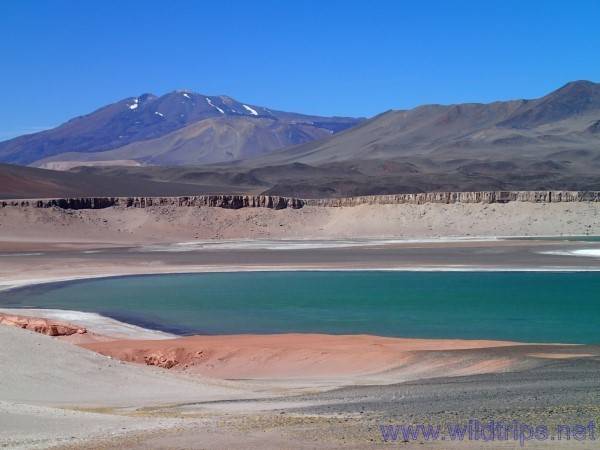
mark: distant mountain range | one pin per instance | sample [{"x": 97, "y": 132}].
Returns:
[
  {"x": 567, "y": 119},
  {"x": 548, "y": 143},
  {"x": 181, "y": 127}
]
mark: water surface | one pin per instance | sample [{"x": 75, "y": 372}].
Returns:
[{"x": 521, "y": 306}]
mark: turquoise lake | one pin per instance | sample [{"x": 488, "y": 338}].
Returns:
[{"x": 521, "y": 306}]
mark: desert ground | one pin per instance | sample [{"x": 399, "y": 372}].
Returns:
[
  {"x": 177, "y": 224},
  {"x": 59, "y": 395},
  {"x": 112, "y": 387}
]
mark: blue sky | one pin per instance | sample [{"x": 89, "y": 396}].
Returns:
[{"x": 59, "y": 58}]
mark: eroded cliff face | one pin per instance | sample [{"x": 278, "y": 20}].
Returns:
[
  {"x": 215, "y": 201},
  {"x": 461, "y": 197},
  {"x": 42, "y": 326},
  {"x": 276, "y": 202}
]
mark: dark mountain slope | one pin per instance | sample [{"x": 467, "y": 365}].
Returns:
[
  {"x": 574, "y": 99},
  {"x": 29, "y": 182},
  {"x": 563, "y": 120}
]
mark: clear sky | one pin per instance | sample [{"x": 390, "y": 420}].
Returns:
[{"x": 60, "y": 58}]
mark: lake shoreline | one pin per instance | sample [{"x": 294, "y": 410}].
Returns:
[
  {"x": 369, "y": 301},
  {"x": 84, "y": 380},
  {"x": 28, "y": 263}
]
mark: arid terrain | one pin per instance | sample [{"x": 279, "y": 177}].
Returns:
[
  {"x": 176, "y": 224},
  {"x": 276, "y": 391},
  {"x": 505, "y": 186},
  {"x": 299, "y": 225}
]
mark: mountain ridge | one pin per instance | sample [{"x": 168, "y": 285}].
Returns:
[
  {"x": 549, "y": 143},
  {"x": 146, "y": 117},
  {"x": 436, "y": 128}
]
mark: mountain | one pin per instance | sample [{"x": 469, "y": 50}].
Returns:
[
  {"x": 564, "y": 120},
  {"x": 574, "y": 99},
  {"x": 181, "y": 127},
  {"x": 548, "y": 143}
]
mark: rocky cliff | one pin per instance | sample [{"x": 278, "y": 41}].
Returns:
[
  {"x": 276, "y": 202},
  {"x": 216, "y": 201},
  {"x": 42, "y": 326},
  {"x": 461, "y": 197}
]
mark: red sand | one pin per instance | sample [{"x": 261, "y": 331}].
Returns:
[
  {"x": 288, "y": 356},
  {"x": 299, "y": 355}
]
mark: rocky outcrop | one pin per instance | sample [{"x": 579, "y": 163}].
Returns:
[
  {"x": 216, "y": 201},
  {"x": 461, "y": 197},
  {"x": 42, "y": 326},
  {"x": 594, "y": 128},
  {"x": 160, "y": 360},
  {"x": 276, "y": 202}
]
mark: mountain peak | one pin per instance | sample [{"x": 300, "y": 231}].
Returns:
[
  {"x": 580, "y": 84},
  {"x": 147, "y": 96},
  {"x": 575, "y": 89},
  {"x": 222, "y": 122},
  {"x": 573, "y": 99}
]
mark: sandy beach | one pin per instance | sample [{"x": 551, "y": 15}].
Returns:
[{"x": 297, "y": 388}]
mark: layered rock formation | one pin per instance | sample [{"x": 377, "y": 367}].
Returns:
[
  {"x": 42, "y": 326},
  {"x": 277, "y": 202},
  {"x": 461, "y": 197},
  {"x": 215, "y": 201}
]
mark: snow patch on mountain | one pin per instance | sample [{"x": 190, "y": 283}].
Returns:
[
  {"x": 250, "y": 110},
  {"x": 214, "y": 106}
]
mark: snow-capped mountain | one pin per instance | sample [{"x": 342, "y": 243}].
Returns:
[{"x": 209, "y": 129}]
